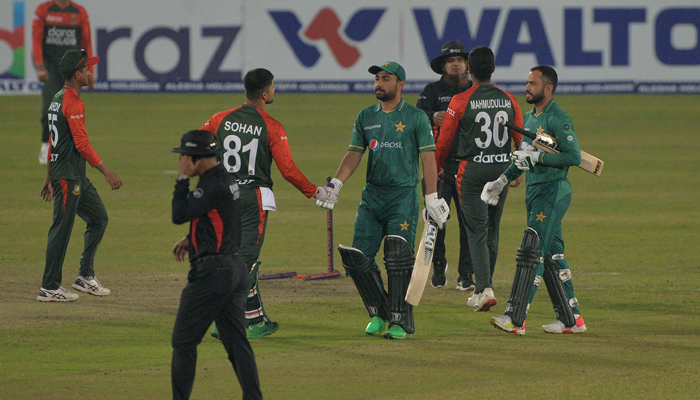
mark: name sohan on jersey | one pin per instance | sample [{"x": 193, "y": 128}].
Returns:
[{"x": 243, "y": 128}]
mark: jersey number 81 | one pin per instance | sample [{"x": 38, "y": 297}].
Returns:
[{"x": 232, "y": 145}]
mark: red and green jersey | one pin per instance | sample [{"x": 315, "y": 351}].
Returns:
[
  {"x": 248, "y": 140},
  {"x": 396, "y": 139},
  {"x": 552, "y": 167},
  {"x": 56, "y": 30},
  {"x": 472, "y": 115},
  {"x": 69, "y": 145}
]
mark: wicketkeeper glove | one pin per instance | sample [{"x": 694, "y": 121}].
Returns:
[
  {"x": 327, "y": 197},
  {"x": 525, "y": 160},
  {"x": 492, "y": 190},
  {"x": 437, "y": 209}
]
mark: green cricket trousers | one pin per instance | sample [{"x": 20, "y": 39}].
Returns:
[{"x": 73, "y": 197}]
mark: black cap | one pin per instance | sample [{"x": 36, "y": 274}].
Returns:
[
  {"x": 197, "y": 143},
  {"x": 75, "y": 59},
  {"x": 449, "y": 49}
]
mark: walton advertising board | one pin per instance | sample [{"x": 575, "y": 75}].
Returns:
[{"x": 326, "y": 46}]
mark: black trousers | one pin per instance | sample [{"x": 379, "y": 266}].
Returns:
[
  {"x": 447, "y": 190},
  {"x": 217, "y": 289}
]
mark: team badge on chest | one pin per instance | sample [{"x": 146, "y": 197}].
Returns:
[{"x": 76, "y": 190}]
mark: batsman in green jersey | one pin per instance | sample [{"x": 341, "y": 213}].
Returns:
[
  {"x": 398, "y": 135},
  {"x": 548, "y": 195}
]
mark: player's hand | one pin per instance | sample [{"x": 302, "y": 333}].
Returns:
[
  {"x": 180, "y": 249},
  {"x": 42, "y": 74},
  {"x": 115, "y": 182},
  {"x": 331, "y": 192},
  {"x": 325, "y": 198},
  {"x": 91, "y": 82},
  {"x": 492, "y": 190},
  {"x": 438, "y": 117},
  {"x": 525, "y": 160},
  {"x": 517, "y": 181},
  {"x": 438, "y": 210},
  {"x": 47, "y": 190}
]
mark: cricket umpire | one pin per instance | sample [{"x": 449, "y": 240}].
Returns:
[
  {"x": 435, "y": 98},
  {"x": 218, "y": 280}
]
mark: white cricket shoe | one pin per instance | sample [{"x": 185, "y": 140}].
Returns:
[
  {"x": 44, "y": 153},
  {"x": 504, "y": 323},
  {"x": 60, "y": 294},
  {"x": 482, "y": 301},
  {"x": 90, "y": 286},
  {"x": 558, "y": 327}
]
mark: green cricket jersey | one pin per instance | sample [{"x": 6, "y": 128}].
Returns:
[
  {"x": 396, "y": 139},
  {"x": 551, "y": 167},
  {"x": 70, "y": 147}
]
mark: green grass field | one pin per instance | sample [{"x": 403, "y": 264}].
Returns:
[{"x": 631, "y": 236}]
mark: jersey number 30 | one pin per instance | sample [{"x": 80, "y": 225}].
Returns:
[
  {"x": 232, "y": 145},
  {"x": 492, "y": 134}
]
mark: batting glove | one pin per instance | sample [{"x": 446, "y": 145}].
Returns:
[
  {"x": 438, "y": 210},
  {"x": 327, "y": 197},
  {"x": 492, "y": 190},
  {"x": 525, "y": 160}
]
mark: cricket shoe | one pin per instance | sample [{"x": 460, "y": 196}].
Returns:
[
  {"x": 482, "y": 301},
  {"x": 44, "y": 153},
  {"x": 376, "y": 326},
  {"x": 262, "y": 329},
  {"x": 465, "y": 283},
  {"x": 504, "y": 323},
  {"x": 558, "y": 327},
  {"x": 396, "y": 332},
  {"x": 439, "y": 279},
  {"x": 60, "y": 294},
  {"x": 90, "y": 285}
]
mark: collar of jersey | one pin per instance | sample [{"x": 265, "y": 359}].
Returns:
[
  {"x": 545, "y": 109},
  {"x": 398, "y": 107}
]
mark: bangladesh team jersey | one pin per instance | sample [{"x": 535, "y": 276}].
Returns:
[
  {"x": 69, "y": 145},
  {"x": 56, "y": 30},
  {"x": 553, "y": 167},
  {"x": 248, "y": 140},
  {"x": 472, "y": 115},
  {"x": 395, "y": 139}
]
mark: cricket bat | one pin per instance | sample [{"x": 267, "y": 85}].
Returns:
[
  {"x": 421, "y": 267},
  {"x": 548, "y": 144}
]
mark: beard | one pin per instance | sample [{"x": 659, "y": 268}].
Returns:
[
  {"x": 535, "y": 98},
  {"x": 384, "y": 96}
]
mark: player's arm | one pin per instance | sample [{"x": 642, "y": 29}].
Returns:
[
  {"x": 282, "y": 154},
  {"x": 38, "y": 43},
  {"x": 449, "y": 128},
  {"x": 569, "y": 150},
  {"x": 74, "y": 112},
  {"x": 517, "y": 121}
]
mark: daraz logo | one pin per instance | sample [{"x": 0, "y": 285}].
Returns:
[
  {"x": 15, "y": 39},
  {"x": 325, "y": 26}
]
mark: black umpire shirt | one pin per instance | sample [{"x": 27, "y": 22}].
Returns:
[
  {"x": 436, "y": 97},
  {"x": 213, "y": 212}
]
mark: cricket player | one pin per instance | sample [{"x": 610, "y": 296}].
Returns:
[
  {"x": 398, "y": 135},
  {"x": 58, "y": 26},
  {"x": 249, "y": 139},
  {"x": 548, "y": 195},
  {"x": 435, "y": 98},
  {"x": 484, "y": 149},
  {"x": 69, "y": 188}
]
